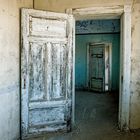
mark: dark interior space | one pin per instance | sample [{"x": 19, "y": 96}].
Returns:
[
  {"x": 97, "y": 72},
  {"x": 96, "y": 118},
  {"x": 97, "y": 76}
]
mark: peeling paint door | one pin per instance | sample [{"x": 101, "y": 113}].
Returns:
[
  {"x": 46, "y": 72},
  {"x": 97, "y": 67}
]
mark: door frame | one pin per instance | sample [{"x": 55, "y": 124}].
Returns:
[
  {"x": 124, "y": 14},
  {"x": 109, "y": 45}
]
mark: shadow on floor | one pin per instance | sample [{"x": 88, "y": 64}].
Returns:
[{"x": 96, "y": 119}]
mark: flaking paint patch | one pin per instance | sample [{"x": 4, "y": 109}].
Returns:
[{"x": 135, "y": 90}]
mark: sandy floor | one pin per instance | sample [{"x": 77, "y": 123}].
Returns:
[{"x": 96, "y": 119}]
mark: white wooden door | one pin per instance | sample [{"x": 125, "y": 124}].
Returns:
[
  {"x": 46, "y": 72},
  {"x": 97, "y": 67},
  {"x": 99, "y": 61}
]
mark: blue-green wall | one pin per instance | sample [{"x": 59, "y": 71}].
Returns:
[{"x": 81, "y": 57}]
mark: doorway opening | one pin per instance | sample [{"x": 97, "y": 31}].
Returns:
[
  {"x": 124, "y": 14},
  {"x": 97, "y": 65}
]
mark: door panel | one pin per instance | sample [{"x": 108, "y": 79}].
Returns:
[
  {"x": 96, "y": 67},
  {"x": 46, "y": 72},
  {"x": 36, "y": 71},
  {"x": 47, "y": 27}
]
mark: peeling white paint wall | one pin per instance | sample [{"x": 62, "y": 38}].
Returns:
[
  {"x": 9, "y": 67},
  {"x": 135, "y": 70},
  {"x": 61, "y": 5}
]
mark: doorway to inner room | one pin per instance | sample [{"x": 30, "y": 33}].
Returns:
[{"x": 97, "y": 65}]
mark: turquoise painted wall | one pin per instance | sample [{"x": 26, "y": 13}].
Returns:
[
  {"x": 98, "y": 26},
  {"x": 81, "y": 57}
]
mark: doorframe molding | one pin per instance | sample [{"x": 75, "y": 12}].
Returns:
[
  {"x": 110, "y": 63},
  {"x": 124, "y": 13}
]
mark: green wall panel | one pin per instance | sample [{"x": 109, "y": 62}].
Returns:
[{"x": 81, "y": 57}]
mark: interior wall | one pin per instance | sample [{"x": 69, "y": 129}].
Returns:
[
  {"x": 81, "y": 57},
  {"x": 135, "y": 68},
  {"x": 61, "y": 5},
  {"x": 10, "y": 50},
  {"x": 96, "y": 31},
  {"x": 9, "y": 67}
]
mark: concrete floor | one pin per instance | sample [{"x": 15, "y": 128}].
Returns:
[{"x": 96, "y": 119}]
